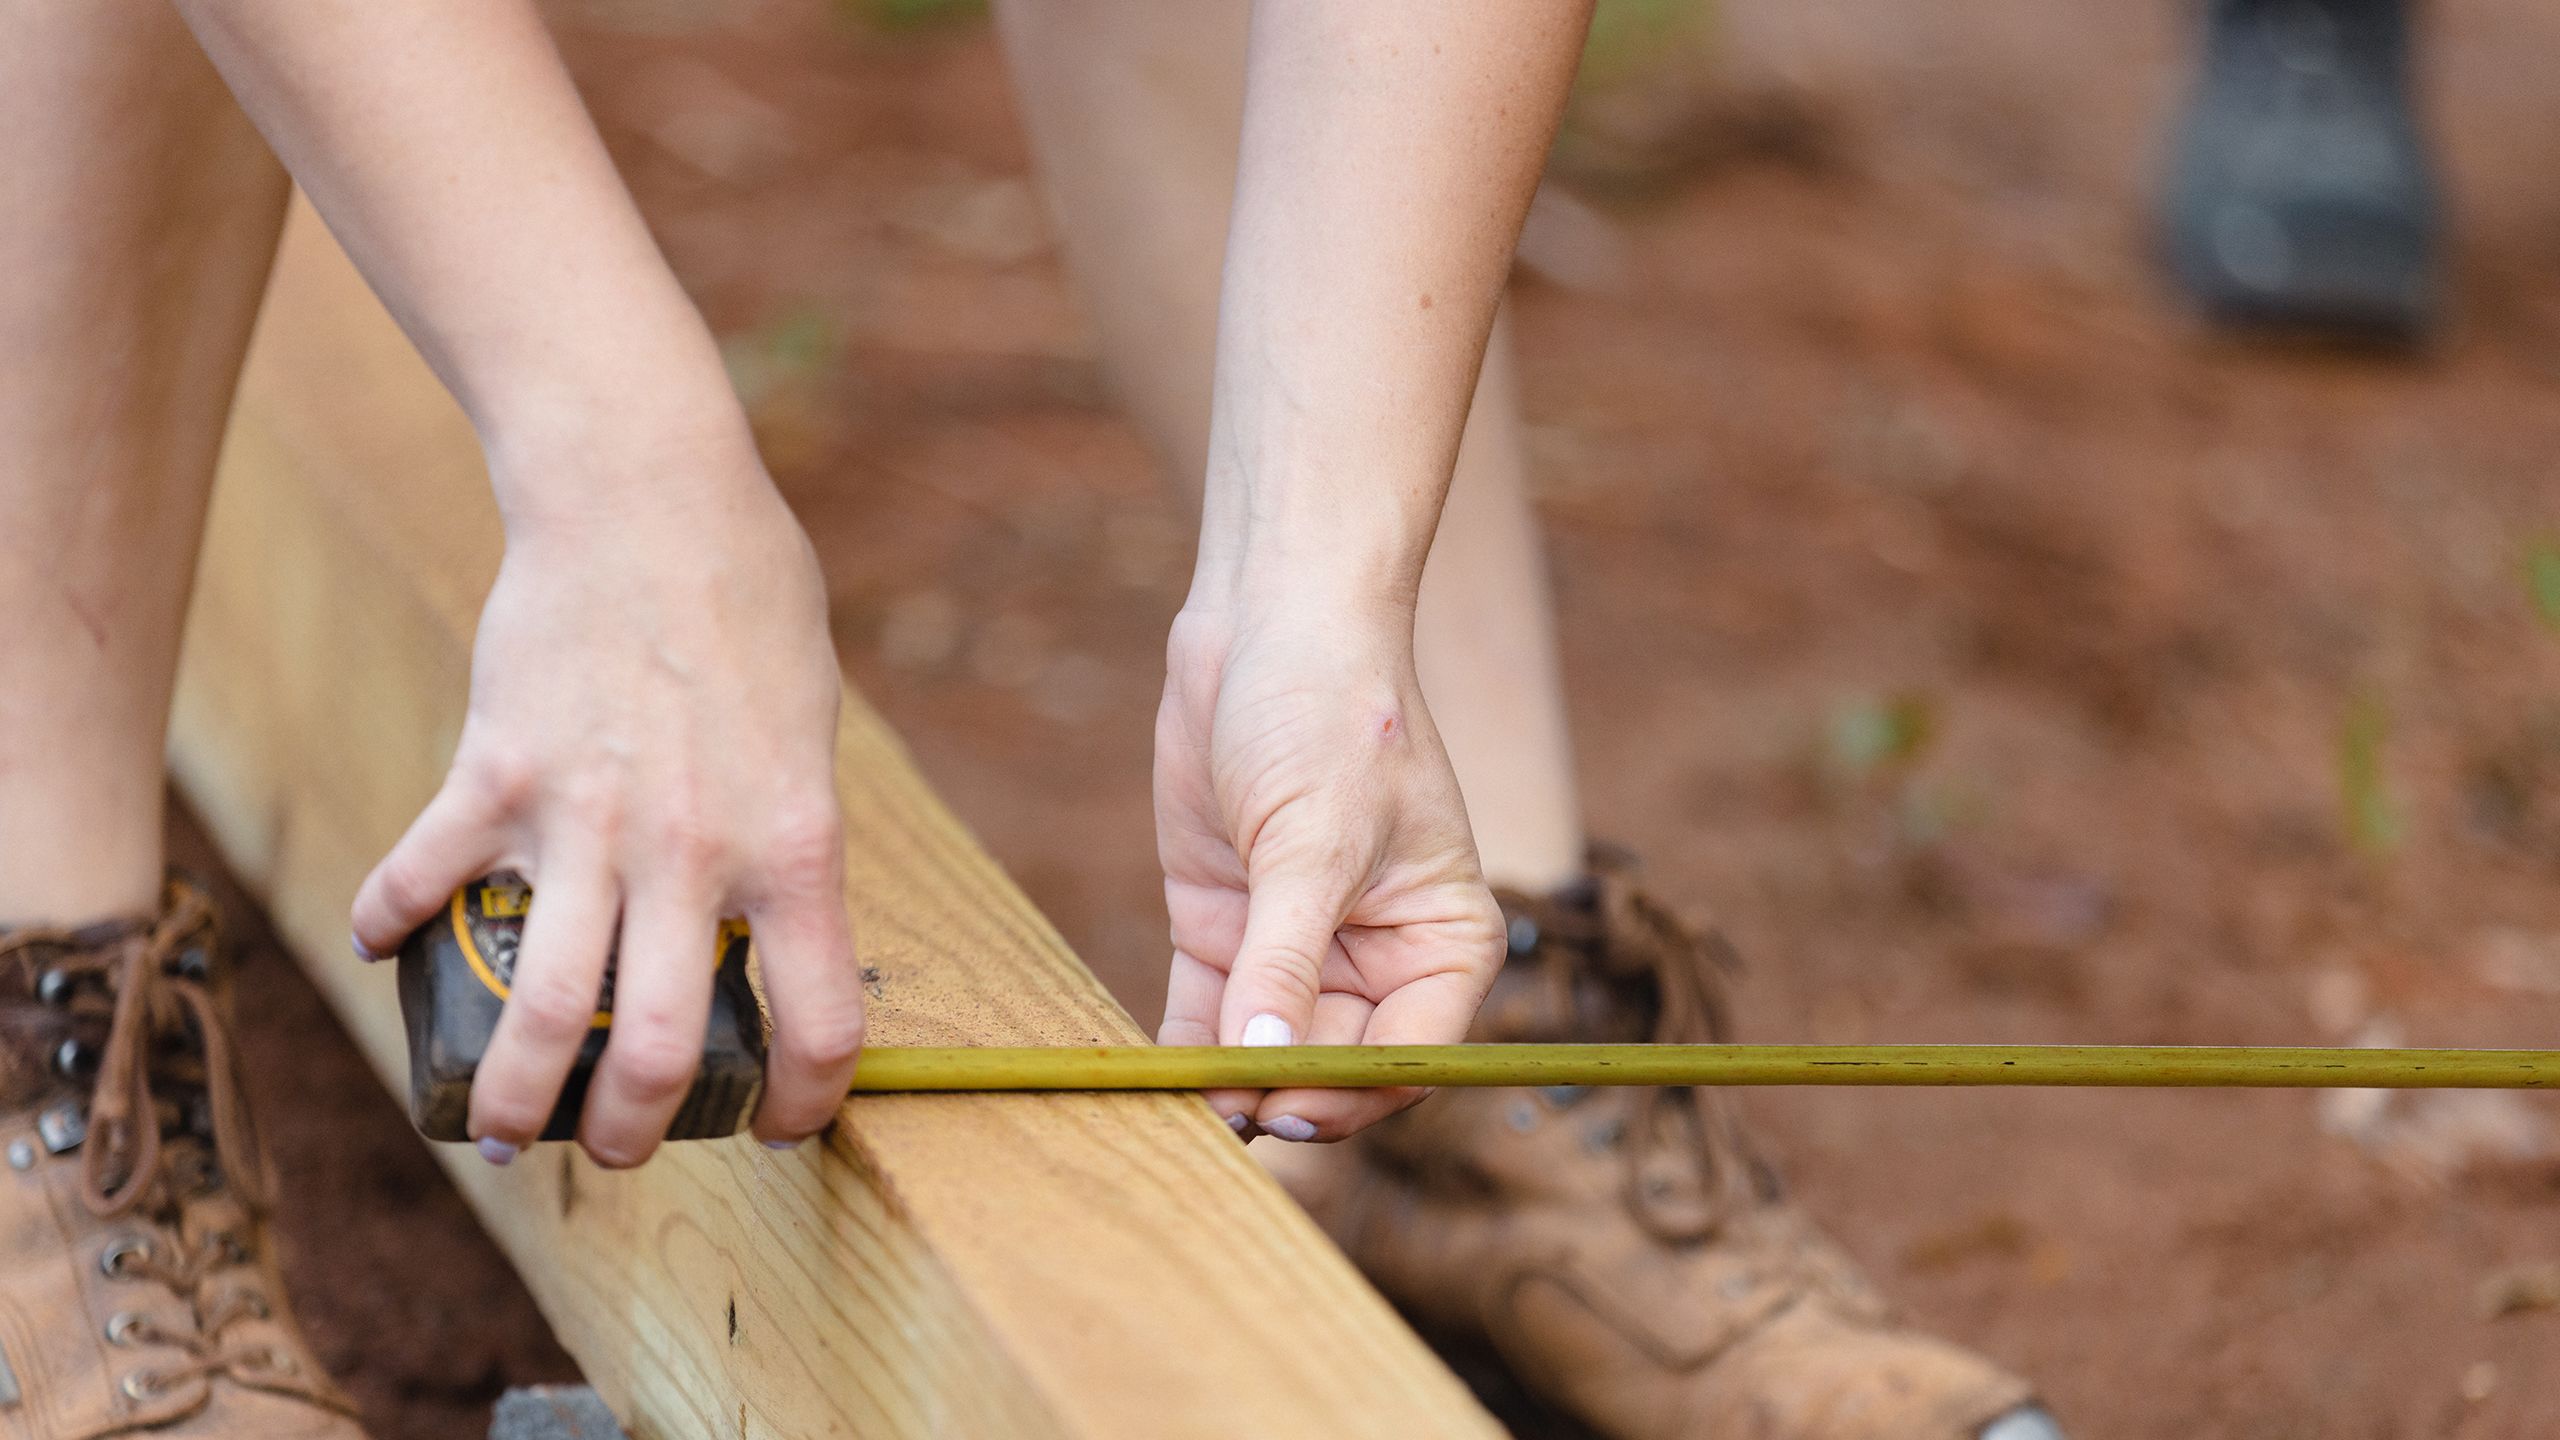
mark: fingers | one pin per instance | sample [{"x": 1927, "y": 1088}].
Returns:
[
  {"x": 815, "y": 985},
  {"x": 551, "y": 1005},
  {"x": 661, "y": 1014},
  {"x": 1270, "y": 992},
  {"x": 1429, "y": 1010},
  {"x": 1437, "y": 1008},
  {"x": 1270, "y": 996},
  {"x": 453, "y": 842},
  {"x": 1191, "y": 995}
]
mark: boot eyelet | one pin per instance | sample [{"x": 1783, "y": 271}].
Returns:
[
  {"x": 120, "y": 1327},
  {"x": 1521, "y": 935},
  {"x": 142, "y": 1386},
  {"x": 74, "y": 1060},
  {"x": 120, "y": 1252},
  {"x": 192, "y": 963},
  {"x": 228, "y": 1247},
  {"x": 53, "y": 987},
  {"x": 63, "y": 1128}
]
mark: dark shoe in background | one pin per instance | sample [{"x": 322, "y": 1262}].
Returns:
[{"x": 2301, "y": 197}]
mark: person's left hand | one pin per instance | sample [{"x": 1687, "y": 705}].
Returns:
[{"x": 1319, "y": 870}]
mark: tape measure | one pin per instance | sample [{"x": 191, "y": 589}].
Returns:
[
  {"x": 457, "y": 971},
  {"x": 1151, "y": 1067}
]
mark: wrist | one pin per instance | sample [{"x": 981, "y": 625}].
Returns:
[
  {"x": 1342, "y": 554},
  {"x": 1354, "y": 635},
  {"x": 572, "y": 413},
  {"x": 1304, "y": 588},
  {"x": 612, "y": 462}
]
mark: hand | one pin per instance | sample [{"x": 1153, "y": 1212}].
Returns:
[
  {"x": 651, "y": 741},
  {"x": 1319, "y": 870}
]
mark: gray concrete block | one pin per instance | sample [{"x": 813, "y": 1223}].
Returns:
[{"x": 553, "y": 1412}]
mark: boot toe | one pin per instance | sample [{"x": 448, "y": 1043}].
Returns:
[{"x": 1825, "y": 1376}]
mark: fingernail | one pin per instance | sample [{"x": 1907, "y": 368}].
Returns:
[
  {"x": 782, "y": 1144},
  {"x": 1290, "y": 1127},
  {"x": 1269, "y": 1030},
  {"x": 363, "y": 951},
  {"x": 1237, "y": 1123},
  {"x": 495, "y": 1150}
]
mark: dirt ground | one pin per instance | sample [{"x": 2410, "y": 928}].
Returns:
[{"x": 2000, "y": 654}]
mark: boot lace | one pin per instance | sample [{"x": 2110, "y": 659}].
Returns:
[
  {"x": 1688, "y": 1164},
  {"x": 165, "y": 1044},
  {"x": 204, "y": 1347}
]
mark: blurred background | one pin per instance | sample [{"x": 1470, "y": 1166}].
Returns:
[{"x": 1997, "y": 644}]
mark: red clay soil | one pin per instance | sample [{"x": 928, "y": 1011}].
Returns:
[{"x": 1999, "y": 653}]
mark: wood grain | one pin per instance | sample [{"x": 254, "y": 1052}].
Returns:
[{"x": 943, "y": 1265}]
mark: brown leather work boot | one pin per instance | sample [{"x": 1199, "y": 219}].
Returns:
[
  {"x": 137, "y": 1293},
  {"x": 1622, "y": 1252}
]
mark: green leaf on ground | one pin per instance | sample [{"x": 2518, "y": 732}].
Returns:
[
  {"x": 1869, "y": 735},
  {"x": 1627, "y": 36},
  {"x": 792, "y": 349},
  {"x": 2542, "y": 580},
  {"x": 908, "y": 14},
  {"x": 2373, "y": 817}
]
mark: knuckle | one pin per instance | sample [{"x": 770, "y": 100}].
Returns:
[
  {"x": 499, "y": 780},
  {"x": 655, "y": 1064},
  {"x": 595, "y": 804},
  {"x": 1274, "y": 988},
  {"x": 822, "y": 1043},
  {"x": 405, "y": 882},
  {"x": 1338, "y": 866},
  {"x": 1291, "y": 963},
  {"x": 553, "y": 1011},
  {"x": 804, "y": 850},
  {"x": 688, "y": 844}
]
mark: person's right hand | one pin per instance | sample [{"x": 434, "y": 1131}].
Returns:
[
  {"x": 1319, "y": 870},
  {"x": 651, "y": 742},
  {"x": 651, "y": 731}
]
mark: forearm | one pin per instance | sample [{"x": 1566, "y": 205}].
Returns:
[
  {"x": 447, "y": 149},
  {"x": 1389, "y": 155}
]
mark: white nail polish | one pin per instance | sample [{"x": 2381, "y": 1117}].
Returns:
[
  {"x": 1237, "y": 1123},
  {"x": 1268, "y": 1030},
  {"x": 1290, "y": 1127}
]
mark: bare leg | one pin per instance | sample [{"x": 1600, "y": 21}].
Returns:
[
  {"x": 1134, "y": 107},
  {"x": 138, "y": 216}
]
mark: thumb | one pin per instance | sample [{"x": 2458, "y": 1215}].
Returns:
[{"x": 1271, "y": 989}]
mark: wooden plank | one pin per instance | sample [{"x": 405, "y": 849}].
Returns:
[{"x": 1071, "y": 1265}]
